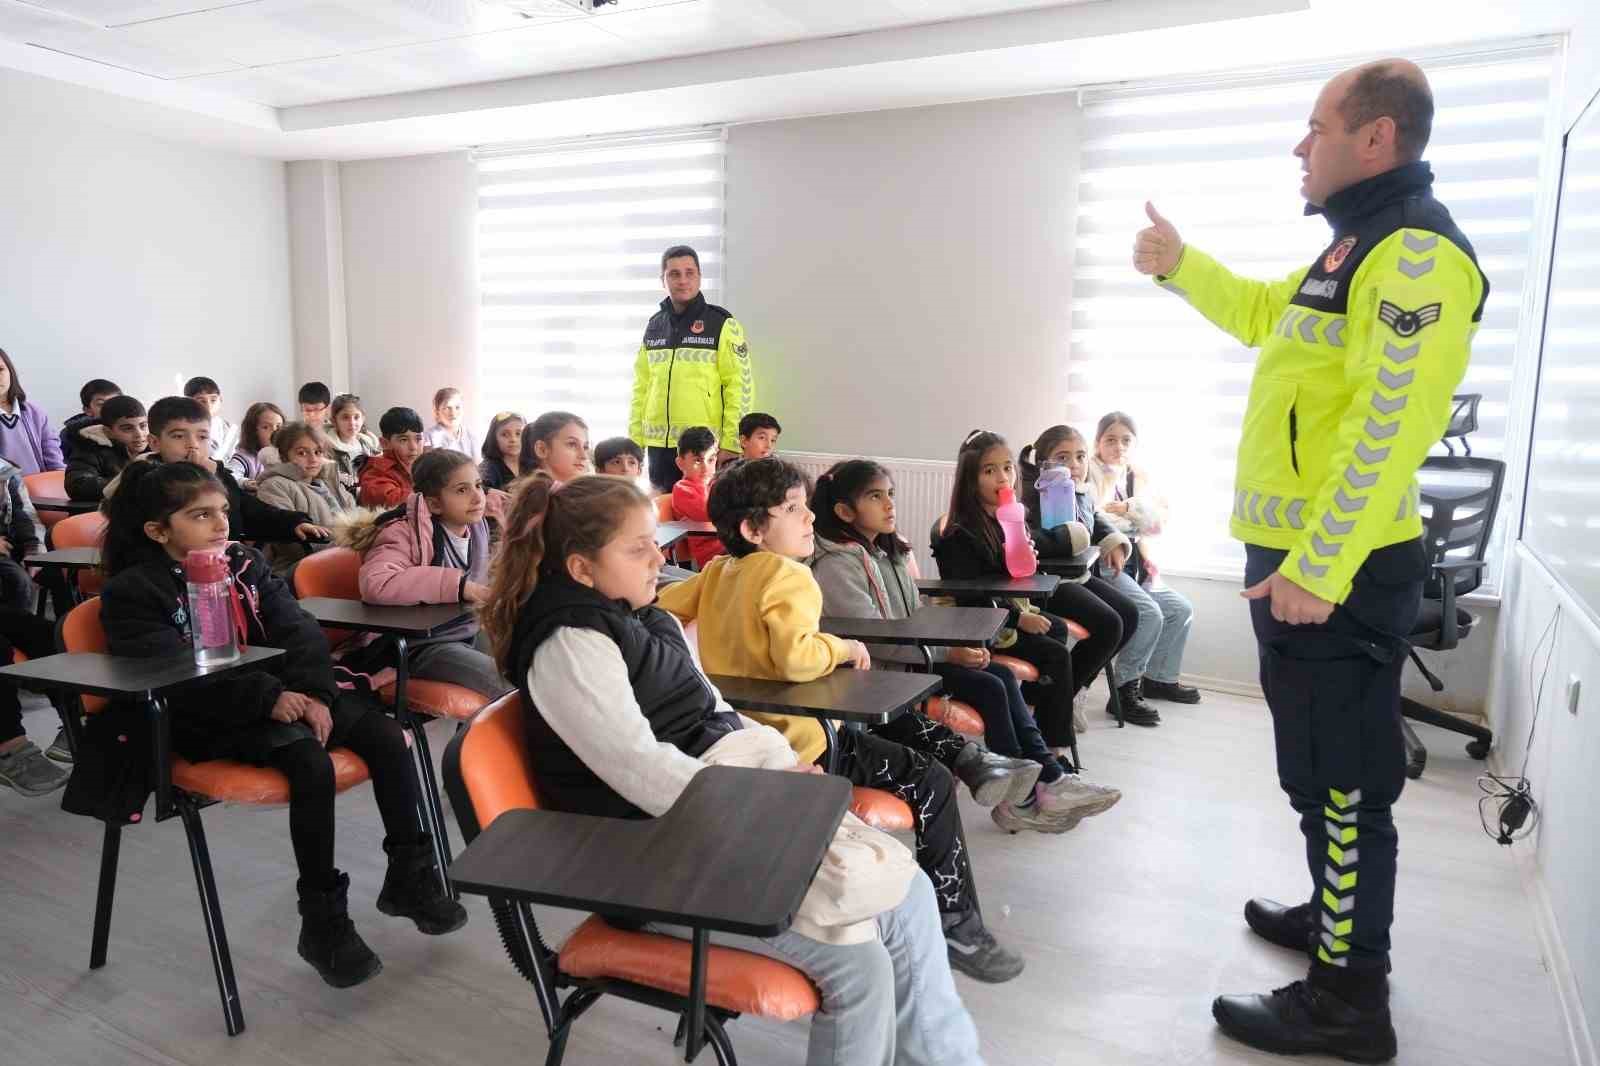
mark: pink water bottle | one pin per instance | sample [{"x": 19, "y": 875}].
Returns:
[
  {"x": 210, "y": 608},
  {"x": 1020, "y": 558}
]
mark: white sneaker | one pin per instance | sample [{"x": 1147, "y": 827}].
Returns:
[
  {"x": 1073, "y": 798},
  {"x": 1080, "y": 720}
]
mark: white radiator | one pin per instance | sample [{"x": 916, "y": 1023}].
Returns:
[{"x": 921, "y": 494}]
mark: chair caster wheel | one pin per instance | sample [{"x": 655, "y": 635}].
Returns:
[
  {"x": 1414, "y": 767},
  {"x": 1478, "y": 749}
]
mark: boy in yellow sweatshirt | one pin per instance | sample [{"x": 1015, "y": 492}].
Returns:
[{"x": 758, "y": 609}]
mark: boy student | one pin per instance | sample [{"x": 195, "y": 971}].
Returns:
[
  {"x": 180, "y": 432},
  {"x": 315, "y": 401},
  {"x": 94, "y": 394},
  {"x": 758, "y": 610},
  {"x": 697, "y": 463},
  {"x": 102, "y": 449},
  {"x": 224, "y": 434},
  {"x": 758, "y": 435},
  {"x": 386, "y": 479},
  {"x": 620, "y": 456}
]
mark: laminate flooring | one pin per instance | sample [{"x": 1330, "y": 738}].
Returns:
[{"x": 1130, "y": 925}]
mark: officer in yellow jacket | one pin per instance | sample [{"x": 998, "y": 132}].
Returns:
[
  {"x": 1359, "y": 355},
  {"x": 693, "y": 369}
]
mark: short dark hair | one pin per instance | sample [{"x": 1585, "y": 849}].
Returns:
[
  {"x": 97, "y": 387},
  {"x": 678, "y": 251},
  {"x": 395, "y": 420},
  {"x": 758, "y": 420},
  {"x": 742, "y": 492},
  {"x": 119, "y": 407},
  {"x": 170, "y": 409},
  {"x": 195, "y": 386},
  {"x": 612, "y": 447},
  {"x": 696, "y": 440},
  {"x": 1382, "y": 89},
  {"x": 250, "y": 425},
  {"x": 313, "y": 392},
  {"x": 290, "y": 433}
]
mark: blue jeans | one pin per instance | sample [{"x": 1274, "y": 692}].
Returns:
[{"x": 1156, "y": 649}]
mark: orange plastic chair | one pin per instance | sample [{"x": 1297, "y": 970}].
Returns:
[
  {"x": 85, "y": 530},
  {"x": 183, "y": 788},
  {"x": 680, "y": 550},
  {"x": 486, "y": 773},
  {"x": 51, "y": 484}
]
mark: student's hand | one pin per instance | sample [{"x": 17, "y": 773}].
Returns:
[
  {"x": 199, "y": 458},
  {"x": 1116, "y": 559},
  {"x": 1037, "y": 624},
  {"x": 5, "y": 545},
  {"x": 971, "y": 658},
  {"x": 288, "y": 707},
  {"x": 474, "y": 592},
  {"x": 1157, "y": 248},
  {"x": 1291, "y": 604},
  {"x": 860, "y": 658},
  {"x": 311, "y": 531},
  {"x": 317, "y": 717},
  {"x": 804, "y": 768},
  {"x": 1117, "y": 507}
]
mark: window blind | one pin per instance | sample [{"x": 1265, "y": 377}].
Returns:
[
  {"x": 570, "y": 238},
  {"x": 1215, "y": 158}
]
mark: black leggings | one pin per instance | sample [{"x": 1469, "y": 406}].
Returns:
[
  {"x": 1108, "y": 615},
  {"x": 35, "y": 638},
  {"x": 1052, "y": 694},
  {"x": 1008, "y": 725},
  {"x": 380, "y": 742}
]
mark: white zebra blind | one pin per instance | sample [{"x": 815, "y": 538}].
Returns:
[
  {"x": 570, "y": 238},
  {"x": 1217, "y": 162}
]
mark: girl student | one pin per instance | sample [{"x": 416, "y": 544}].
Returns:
[
  {"x": 434, "y": 548},
  {"x": 1153, "y": 660},
  {"x": 1091, "y": 600},
  {"x": 284, "y": 714},
  {"x": 502, "y": 451},
  {"x": 968, "y": 542},
  {"x": 863, "y": 568},
  {"x": 350, "y": 443},
  {"x": 622, "y": 717},
  {"x": 26, "y": 440},
  {"x": 305, "y": 481},
  {"x": 450, "y": 424},
  {"x": 556, "y": 442},
  {"x": 260, "y": 422}
]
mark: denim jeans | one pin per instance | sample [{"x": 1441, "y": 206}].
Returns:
[{"x": 1156, "y": 650}]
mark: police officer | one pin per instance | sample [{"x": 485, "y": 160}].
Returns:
[
  {"x": 693, "y": 369},
  {"x": 1360, "y": 353}
]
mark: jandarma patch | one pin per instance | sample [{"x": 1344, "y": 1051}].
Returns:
[
  {"x": 1408, "y": 323},
  {"x": 1339, "y": 253}
]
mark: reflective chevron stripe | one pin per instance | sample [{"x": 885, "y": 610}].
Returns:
[
  {"x": 1173, "y": 286},
  {"x": 1322, "y": 547},
  {"x": 1414, "y": 270},
  {"x": 1293, "y": 514},
  {"x": 1340, "y": 876},
  {"x": 1420, "y": 244},
  {"x": 1358, "y": 481},
  {"x": 1334, "y": 333},
  {"x": 1392, "y": 381},
  {"x": 1380, "y": 430},
  {"x": 1308, "y": 328},
  {"x": 1307, "y": 570},
  {"x": 1274, "y": 512},
  {"x": 1348, "y": 503},
  {"x": 1389, "y": 406},
  {"x": 1401, "y": 355},
  {"x": 1334, "y": 527},
  {"x": 1370, "y": 456}
]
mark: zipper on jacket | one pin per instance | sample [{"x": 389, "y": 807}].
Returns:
[{"x": 1294, "y": 434}]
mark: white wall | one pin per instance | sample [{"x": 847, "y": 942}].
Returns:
[{"x": 136, "y": 259}]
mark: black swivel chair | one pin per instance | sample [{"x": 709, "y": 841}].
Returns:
[{"x": 1459, "y": 499}]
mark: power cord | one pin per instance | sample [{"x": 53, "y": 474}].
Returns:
[{"x": 1518, "y": 813}]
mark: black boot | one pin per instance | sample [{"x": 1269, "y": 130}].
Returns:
[
  {"x": 328, "y": 940},
  {"x": 1134, "y": 709},
  {"x": 1294, "y": 927},
  {"x": 1344, "y": 1014},
  {"x": 995, "y": 778},
  {"x": 1171, "y": 691},
  {"x": 411, "y": 889}
]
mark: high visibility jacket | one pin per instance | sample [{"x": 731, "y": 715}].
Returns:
[
  {"x": 1360, "y": 354},
  {"x": 693, "y": 369}
]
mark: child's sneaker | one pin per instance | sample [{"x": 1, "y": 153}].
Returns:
[
  {"x": 60, "y": 749},
  {"x": 1072, "y": 798},
  {"x": 974, "y": 951},
  {"x": 995, "y": 778},
  {"x": 25, "y": 769},
  {"x": 1080, "y": 719}
]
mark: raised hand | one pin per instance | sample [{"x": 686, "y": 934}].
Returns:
[{"x": 1157, "y": 247}]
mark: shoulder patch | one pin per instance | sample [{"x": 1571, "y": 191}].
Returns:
[{"x": 1408, "y": 323}]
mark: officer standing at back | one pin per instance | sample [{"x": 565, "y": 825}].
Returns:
[{"x": 1359, "y": 356}]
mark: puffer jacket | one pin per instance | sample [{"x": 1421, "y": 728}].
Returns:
[
  {"x": 284, "y": 485},
  {"x": 96, "y": 461},
  {"x": 350, "y": 456},
  {"x": 19, "y": 522},
  {"x": 383, "y": 482}
]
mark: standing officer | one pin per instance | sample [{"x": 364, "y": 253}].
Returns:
[
  {"x": 693, "y": 369},
  {"x": 1360, "y": 353}
]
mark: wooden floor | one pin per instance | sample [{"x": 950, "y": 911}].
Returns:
[{"x": 1130, "y": 925}]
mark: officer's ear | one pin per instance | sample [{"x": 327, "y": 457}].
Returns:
[{"x": 1381, "y": 138}]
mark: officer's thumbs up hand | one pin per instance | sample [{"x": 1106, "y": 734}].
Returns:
[{"x": 1157, "y": 247}]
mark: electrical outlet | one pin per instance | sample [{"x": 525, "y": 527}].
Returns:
[{"x": 1574, "y": 686}]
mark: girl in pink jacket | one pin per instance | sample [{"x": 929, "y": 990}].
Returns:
[{"x": 434, "y": 548}]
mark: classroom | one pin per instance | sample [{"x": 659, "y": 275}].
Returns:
[{"x": 783, "y": 531}]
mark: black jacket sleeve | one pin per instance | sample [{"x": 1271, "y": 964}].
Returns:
[
  {"x": 86, "y": 476},
  {"x": 307, "y": 664},
  {"x": 959, "y": 556},
  {"x": 254, "y": 519}
]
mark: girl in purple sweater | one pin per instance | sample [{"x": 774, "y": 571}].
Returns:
[{"x": 26, "y": 439}]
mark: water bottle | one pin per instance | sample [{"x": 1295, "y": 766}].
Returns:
[
  {"x": 1020, "y": 560},
  {"x": 210, "y": 608},
  {"x": 1057, "y": 496}
]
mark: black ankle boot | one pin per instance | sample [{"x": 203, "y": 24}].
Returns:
[
  {"x": 328, "y": 940},
  {"x": 1310, "y": 1017},
  {"x": 411, "y": 889},
  {"x": 1294, "y": 927},
  {"x": 1171, "y": 691},
  {"x": 1134, "y": 709}
]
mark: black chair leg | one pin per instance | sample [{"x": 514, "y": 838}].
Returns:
[
  {"x": 721, "y": 1046},
  {"x": 429, "y": 785},
  {"x": 1416, "y": 754},
  {"x": 67, "y": 711},
  {"x": 580, "y": 1000},
  {"x": 211, "y": 908},
  {"x": 110, "y": 848},
  {"x": 1482, "y": 737}
]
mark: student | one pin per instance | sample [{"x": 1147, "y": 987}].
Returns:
[
  {"x": 502, "y": 451},
  {"x": 1111, "y": 617},
  {"x": 697, "y": 465},
  {"x": 349, "y": 442},
  {"x": 435, "y": 549},
  {"x": 314, "y": 399},
  {"x": 556, "y": 442},
  {"x": 620, "y": 456},
  {"x": 386, "y": 479},
  {"x": 449, "y": 423},
  {"x": 101, "y": 451},
  {"x": 21, "y": 535},
  {"x": 307, "y": 482},
  {"x": 284, "y": 714},
  {"x": 23, "y": 767},
  {"x": 261, "y": 421},
  {"x": 863, "y": 569},
  {"x": 93, "y": 395},
  {"x": 758, "y": 435},
  {"x": 26, "y": 440},
  {"x": 758, "y": 609},
  {"x": 570, "y": 618},
  {"x": 1153, "y": 660},
  {"x": 180, "y": 432},
  {"x": 224, "y": 434}
]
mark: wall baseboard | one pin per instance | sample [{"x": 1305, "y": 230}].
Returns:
[{"x": 1224, "y": 684}]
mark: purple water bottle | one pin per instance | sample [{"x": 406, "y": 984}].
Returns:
[
  {"x": 1057, "y": 503},
  {"x": 210, "y": 608}
]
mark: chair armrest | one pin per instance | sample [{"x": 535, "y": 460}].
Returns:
[
  {"x": 1452, "y": 566},
  {"x": 1449, "y": 630}
]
